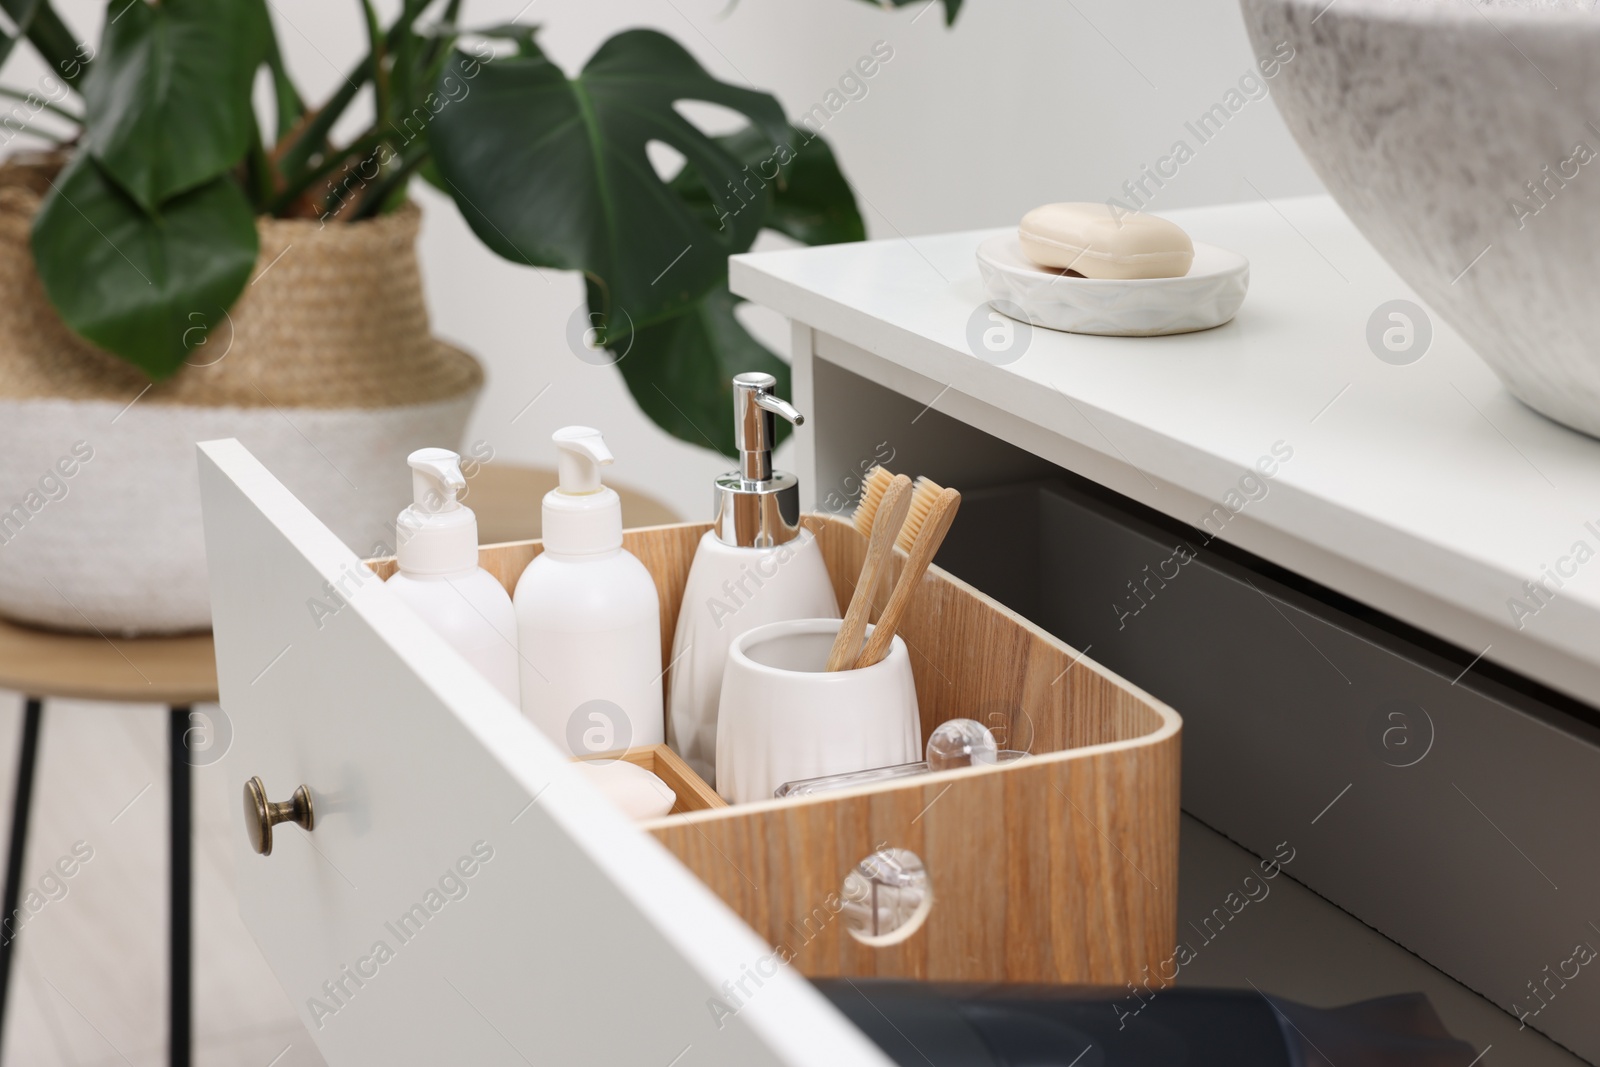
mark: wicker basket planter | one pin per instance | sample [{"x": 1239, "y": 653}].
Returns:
[{"x": 325, "y": 368}]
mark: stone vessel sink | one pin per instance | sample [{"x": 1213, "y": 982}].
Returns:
[{"x": 1461, "y": 138}]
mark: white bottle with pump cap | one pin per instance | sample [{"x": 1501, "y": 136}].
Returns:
[
  {"x": 757, "y": 564},
  {"x": 588, "y": 616},
  {"x": 439, "y": 574}
]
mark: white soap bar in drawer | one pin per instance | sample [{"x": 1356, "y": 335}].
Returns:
[{"x": 640, "y": 794}]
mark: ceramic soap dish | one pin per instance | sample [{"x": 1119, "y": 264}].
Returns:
[{"x": 1209, "y": 295}]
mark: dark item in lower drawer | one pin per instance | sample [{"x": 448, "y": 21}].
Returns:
[{"x": 937, "y": 1025}]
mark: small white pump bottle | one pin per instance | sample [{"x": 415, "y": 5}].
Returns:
[
  {"x": 588, "y": 616},
  {"x": 757, "y": 564},
  {"x": 439, "y": 574}
]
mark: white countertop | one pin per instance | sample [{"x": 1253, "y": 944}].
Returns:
[{"x": 1425, "y": 490}]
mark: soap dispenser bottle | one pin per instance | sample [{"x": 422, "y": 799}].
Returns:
[
  {"x": 588, "y": 615},
  {"x": 755, "y": 565},
  {"x": 439, "y": 576}
]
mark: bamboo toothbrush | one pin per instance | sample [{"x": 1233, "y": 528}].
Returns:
[
  {"x": 890, "y": 506},
  {"x": 925, "y": 494},
  {"x": 936, "y": 523},
  {"x": 876, "y": 482},
  {"x": 873, "y": 486}
]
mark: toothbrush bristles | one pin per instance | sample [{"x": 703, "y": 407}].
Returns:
[
  {"x": 924, "y": 495},
  {"x": 873, "y": 486}
]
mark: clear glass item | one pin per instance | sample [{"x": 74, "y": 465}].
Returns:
[
  {"x": 953, "y": 744},
  {"x": 961, "y": 743},
  {"x": 886, "y": 896}
]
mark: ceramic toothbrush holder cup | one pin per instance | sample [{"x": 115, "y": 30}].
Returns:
[{"x": 782, "y": 717}]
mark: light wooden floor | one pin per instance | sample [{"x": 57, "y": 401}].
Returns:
[{"x": 91, "y": 981}]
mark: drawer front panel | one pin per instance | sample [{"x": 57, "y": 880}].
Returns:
[
  {"x": 464, "y": 897},
  {"x": 1425, "y": 804}
]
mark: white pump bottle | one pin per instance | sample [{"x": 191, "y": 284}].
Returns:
[
  {"x": 588, "y": 616},
  {"x": 439, "y": 574},
  {"x": 757, "y": 564}
]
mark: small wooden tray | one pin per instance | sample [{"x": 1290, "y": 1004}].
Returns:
[
  {"x": 694, "y": 793},
  {"x": 1058, "y": 868}
]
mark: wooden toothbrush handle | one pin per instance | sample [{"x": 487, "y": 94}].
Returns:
[
  {"x": 922, "y": 552},
  {"x": 886, "y": 523}
]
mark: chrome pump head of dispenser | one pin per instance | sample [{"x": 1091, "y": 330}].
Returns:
[{"x": 756, "y": 506}]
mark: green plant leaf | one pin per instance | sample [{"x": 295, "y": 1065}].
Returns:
[
  {"x": 428, "y": 171},
  {"x": 553, "y": 172},
  {"x": 146, "y": 287},
  {"x": 680, "y": 371},
  {"x": 65, "y": 54},
  {"x": 805, "y": 194},
  {"x": 21, "y": 13},
  {"x": 168, "y": 97},
  {"x": 814, "y": 203},
  {"x": 951, "y": 7}
]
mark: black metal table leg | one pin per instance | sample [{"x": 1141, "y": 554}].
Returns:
[
  {"x": 179, "y": 1025},
  {"x": 33, "y": 711}
]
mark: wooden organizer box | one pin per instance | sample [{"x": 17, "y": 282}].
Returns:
[{"x": 1062, "y": 867}]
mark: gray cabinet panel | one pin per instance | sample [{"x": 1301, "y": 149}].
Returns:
[{"x": 1453, "y": 815}]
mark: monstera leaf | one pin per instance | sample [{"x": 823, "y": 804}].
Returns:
[
  {"x": 552, "y": 171},
  {"x": 803, "y": 194},
  {"x": 680, "y": 371},
  {"x": 168, "y": 98},
  {"x": 147, "y": 287}
]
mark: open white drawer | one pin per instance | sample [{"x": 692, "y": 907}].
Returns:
[{"x": 465, "y": 896}]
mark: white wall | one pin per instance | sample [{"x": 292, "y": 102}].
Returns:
[{"x": 1021, "y": 103}]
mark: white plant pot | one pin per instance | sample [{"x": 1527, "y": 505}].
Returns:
[
  {"x": 326, "y": 368},
  {"x": 117, "y": 545}
]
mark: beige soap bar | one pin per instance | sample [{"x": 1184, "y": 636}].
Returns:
[{"x": 1099, "y": 243}]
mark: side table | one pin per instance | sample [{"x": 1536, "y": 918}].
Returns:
[{"x": 176, "y": 671}]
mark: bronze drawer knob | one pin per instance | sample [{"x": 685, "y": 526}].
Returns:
[{"x": 261, "y": 814}]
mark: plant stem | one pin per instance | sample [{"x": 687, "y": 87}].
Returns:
[
  {"x": 375, "y": 199},
  {"x": 260, "y": 178},
  {"x": 404, "y": 58},
  {"x": 34, "y": 98},
  {"x": 339, "y": 199},
  {"x": 436, "y": 61},
  {"x": 50, "y": 37},
  {"x": 361, "y": 147},
  {"x": 439, "y": 45},
  {"x": 380, "y": 79},
  {"x": 293, "y": 156},
  {"x": 297, "y": 147}
]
